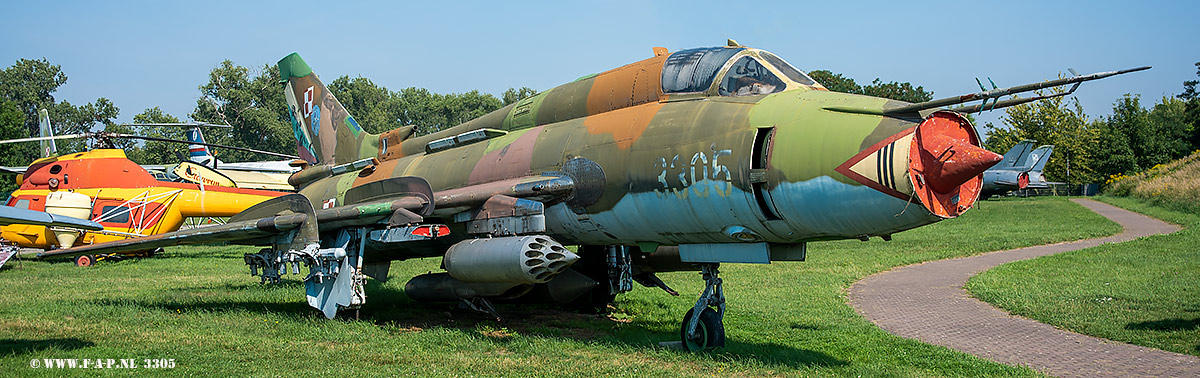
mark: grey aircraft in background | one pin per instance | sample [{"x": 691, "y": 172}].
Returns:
[{"x": 1021, "y": 169}]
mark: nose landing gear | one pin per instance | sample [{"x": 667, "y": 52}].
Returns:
[{"x": 702, "y": 328}]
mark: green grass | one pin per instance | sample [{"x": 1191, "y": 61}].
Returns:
[
  {"x": 1144, "y": 292},
  {"x": 200, "y": 307}
]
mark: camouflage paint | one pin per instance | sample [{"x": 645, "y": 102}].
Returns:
[{"x": 676, "y": 168}]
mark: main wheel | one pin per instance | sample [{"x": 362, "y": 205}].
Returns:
[
  {"x": 85, "y": 261},
  {"x": 710, "y": 333}
]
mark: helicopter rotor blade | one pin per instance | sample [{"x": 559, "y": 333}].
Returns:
[
  {"x": 103, "y": 136},
  {"x": 56, "y": 137},
  {"x": 276, "y": 154},
  {"x": 180, "y": 124}
]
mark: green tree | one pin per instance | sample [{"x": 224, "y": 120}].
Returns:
[
  {"x": 1059, "y": 121},
  {"x": 1112, "y": 151},
  {"x": 371, "y": 105},
  {"x": 71, "y": 119},
  {"x": 897, "y": 91},
  {"x": 377, "y": 109},
  {"x": 1191, "y": 98},
  {"x": 430, "y": 112},
  {"x": 30, "y": 85},
  {"x": 251, "y": 102},
  {"x": 1000, "y": 139},
  {"x": 835, "y": 82},
  {"x": 512, "y": 95},
  {"x": 12, "y": 126},
  {"x": 901, "y": 91},
  {"x": 1172, "y": 130},
  {"x": 1134, "y": 138},
  {"x": 157, "y": 152}
]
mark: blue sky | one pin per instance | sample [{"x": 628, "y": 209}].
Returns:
[{"x": 156, "y": 53}]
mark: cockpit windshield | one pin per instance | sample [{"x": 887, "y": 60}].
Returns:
[
  {"x": 787, "y": 69},
  {"x": 748, "y": 77},
  {"x": 694, "y": 70}
]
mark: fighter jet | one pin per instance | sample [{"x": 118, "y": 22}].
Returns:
[
  {"x": 682, "y": 161},
  {"x": 1021, "y": 168}
]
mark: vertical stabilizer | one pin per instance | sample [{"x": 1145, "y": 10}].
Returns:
[
  {"x": 1040, "y": 156},
  {"x": 325, "y": 132},
  {"x": 1018, "y": 156},
  {"x": 199, "y": 153},
  {"x": 48, "y": 147}
]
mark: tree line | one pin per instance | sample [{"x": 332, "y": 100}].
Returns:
[
  {"x": 1132, "y": 139},
  {"x": 250, "y": 100}
]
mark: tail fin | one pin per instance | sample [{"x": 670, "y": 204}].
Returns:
[
  {"x": 199, "y": 153},
  {"x": 325, "y": 132},
  {"x": 1018, "y": 156},
  {"x": 48, "y": 147},
  {"x": 1040, "y": 156}
]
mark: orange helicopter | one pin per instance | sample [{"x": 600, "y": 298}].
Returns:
[{"x": 103, "y": 185}]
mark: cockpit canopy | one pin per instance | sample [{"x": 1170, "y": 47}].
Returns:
[{"x": 742, "y": 72}]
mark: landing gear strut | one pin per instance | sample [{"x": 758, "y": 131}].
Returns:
[{"x": 702, "y": 328}]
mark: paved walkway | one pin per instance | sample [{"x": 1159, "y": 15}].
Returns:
[{"x": 927, "y": 302}]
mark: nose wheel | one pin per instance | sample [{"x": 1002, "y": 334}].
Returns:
[{"x": 702, "y": 328}]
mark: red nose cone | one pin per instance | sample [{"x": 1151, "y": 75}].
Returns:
[
  {"x": 955, "y": 161},
  {"x": 946, "y": 164}
]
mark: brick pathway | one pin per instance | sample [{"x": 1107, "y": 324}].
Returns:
[{"x": 927, "y": 302}]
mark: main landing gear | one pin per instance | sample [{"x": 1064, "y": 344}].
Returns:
[
  {"x": 85, "y": 260},
  {"x": 90, "y": 260},
  {"x": 702, "y": 328}
]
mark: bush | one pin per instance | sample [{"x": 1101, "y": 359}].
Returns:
[{"x": 1174, "y": 185}]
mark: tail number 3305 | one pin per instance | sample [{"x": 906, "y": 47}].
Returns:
[{"x": 702, "y": 173}]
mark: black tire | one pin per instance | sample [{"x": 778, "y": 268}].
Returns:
[
  {"x": 85, "y": 260},
  {"x": 710, "y": 331}
]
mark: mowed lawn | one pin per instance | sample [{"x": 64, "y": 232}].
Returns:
[
  {"x": 1144, "y": 292},
  {"x": 200, "y": 307}
]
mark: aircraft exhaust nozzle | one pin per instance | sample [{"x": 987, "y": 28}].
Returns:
[
  {"x": 946, "y": 164},
  {"x": 511, "y": 259}
]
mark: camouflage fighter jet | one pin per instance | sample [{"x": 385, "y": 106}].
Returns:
[{"x": 678, "y": 162}]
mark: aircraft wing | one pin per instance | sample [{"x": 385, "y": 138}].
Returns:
[
  {"x": 288, "y": 220},
  {"x": 12, "y": 215},
  {"x": 229, "y": 232},
  {"x": 397, "y": 201}
]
